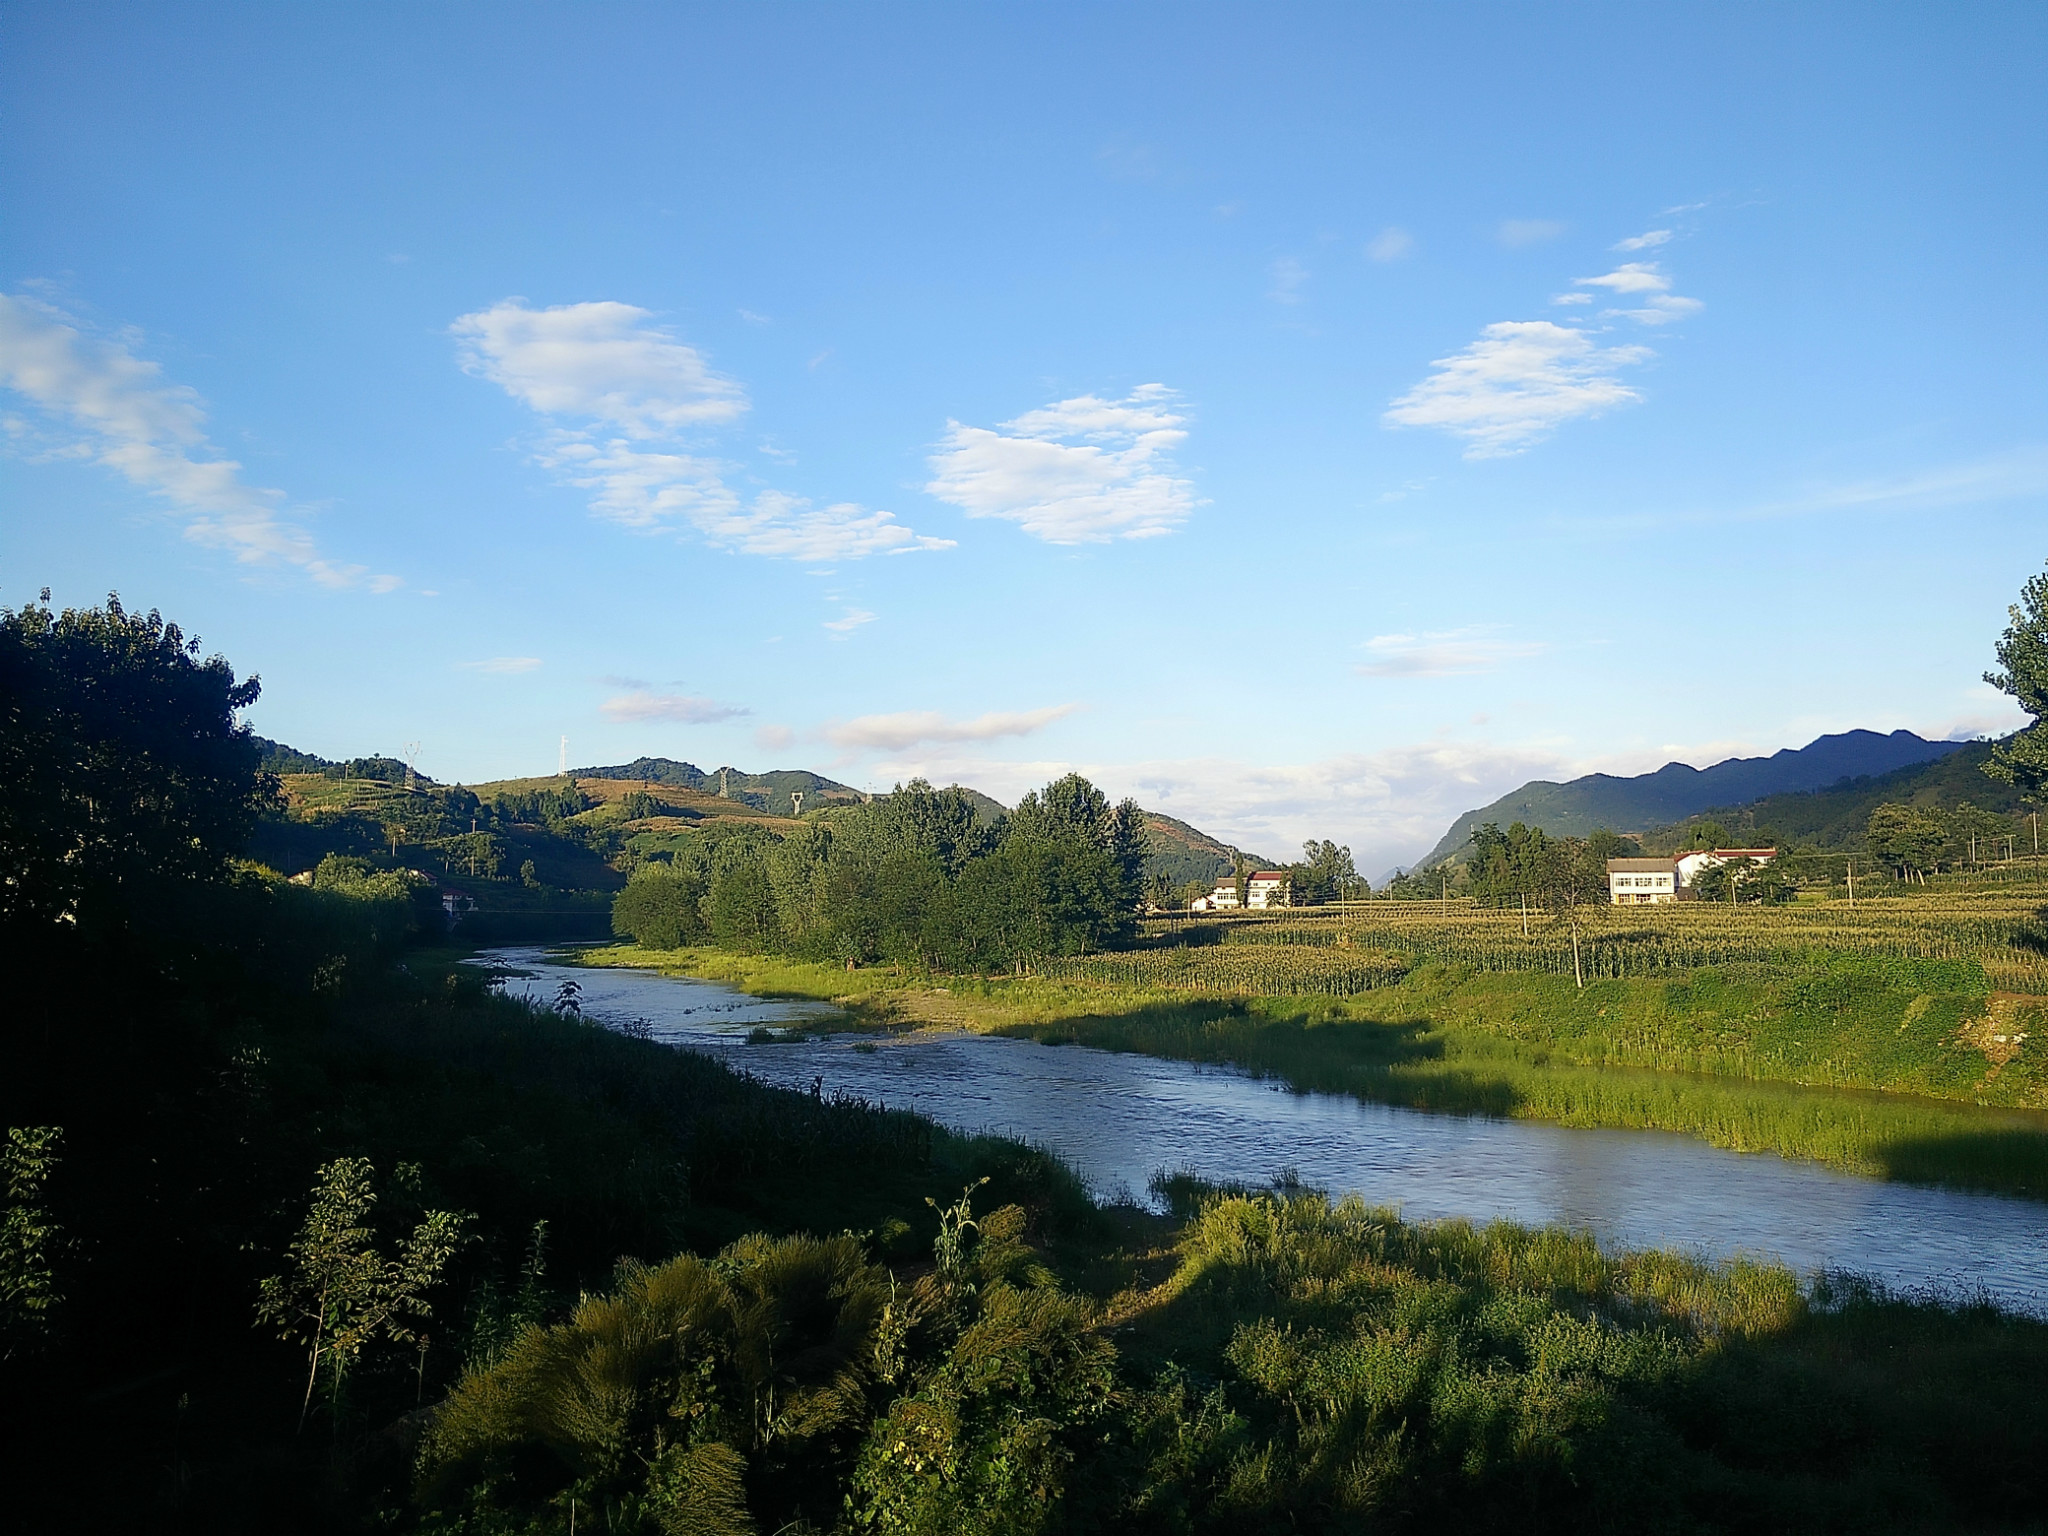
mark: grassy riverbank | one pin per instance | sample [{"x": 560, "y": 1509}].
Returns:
[{"x": 1879, "y": 1065}]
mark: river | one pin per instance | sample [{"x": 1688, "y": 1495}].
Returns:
[{"x": 1118, "y": 1119}]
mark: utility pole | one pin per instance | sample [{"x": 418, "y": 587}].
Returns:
[
  {"x": 562, "y": 766},
  {"x": 1444, "y": 898},
  {"x": 1852, "y": 883}
]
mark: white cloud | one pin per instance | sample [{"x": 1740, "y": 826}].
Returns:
[
  {"x": 637, "y": 391},
  {"x": 1390, "y": 244},
  {"x": 1520, "y": 232},
  {"x": 1662, "y": 309},
  {"x": 153, "y": 433},
  {"x": 1290, "y": 277},
  {"x": 505, "y": 666},
  {"x": 1442, "y": 653},
  {"x": 1630, "y": 277},
  {"x": 601, "y": 361},
  {"x": 848, "y": 622},
  {"x": 640, "y": 706},
  {"x": 1516, "y": 385},
  {"x": 1638, "y": 277},
  {"x": 1080, "y": 471},
  {"x": 1389, "y": 807},
  {"x": 910, "y": 728},
  {"x": 774, "y": 738},
  {"x": 1573, "y": 298},
  {"x": 1644, "y": 241}
]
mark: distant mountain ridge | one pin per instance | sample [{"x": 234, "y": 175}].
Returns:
[
  {"x": 774, "y": 791},
  {"x": 1835, "y": 816},
  {"x": 1679, "y": 790}
]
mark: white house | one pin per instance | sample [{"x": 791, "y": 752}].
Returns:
[
  {"x": 1638, "y": 882},
  {"x": 1268, "y": 888},
  {"x": 1691, "y": 864}
]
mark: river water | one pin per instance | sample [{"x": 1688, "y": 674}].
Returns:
[{"x": 1118, "y": 1119}]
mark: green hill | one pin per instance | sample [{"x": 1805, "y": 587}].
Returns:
[
  {"x": 1184, "y": 853},
  {"x": 774, "y": 792},
  {"x": 1679, "y": 790},
  {"x": 1834, "y": 817}
]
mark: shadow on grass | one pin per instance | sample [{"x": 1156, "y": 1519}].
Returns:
[
  {"x": 1702, "y": 1397},
  {"x": 2009, "y": 1158}
]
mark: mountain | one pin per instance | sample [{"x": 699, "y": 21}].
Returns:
[
  {"x": 773, "y": 792},
  {"x": 1184, "y": 853},
  {"x": 1835, "y": 817},
  {"x": 1678, "y": 790}
]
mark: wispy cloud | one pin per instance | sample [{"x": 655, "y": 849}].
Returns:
[
  {"x": 1644, "y": 241},
  {"x": 1522, "y": 379},
  {"x": 774, "y": 738},
  {"x": 641, "y": 707},
  {"x": 502, "y": 665},
  {"x": 1515, "y": 385},
  {"x": 1519, "y": 232},
  {"x": 625, "y": 398},
  {"x": 911, "y": 728},
  {"x": 1289, "y": 279},
  {"x": 1079, "y": 471},
  {"x": 1443, "y": 653},
  {"x": 601, "y": 360},
  {"x": 116, "y": 409},
  {"x": 1390, "y": 244},
  {"x": 848, "y": 622},
  {"x": 1659, "y": 305}
]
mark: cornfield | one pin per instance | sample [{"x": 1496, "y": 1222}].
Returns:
[
  {"x": 1370, "y": 945},
  {"x": 1262, "y": 970}
]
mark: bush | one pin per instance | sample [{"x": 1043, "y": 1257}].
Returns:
[{"x": 658, "y": 909}]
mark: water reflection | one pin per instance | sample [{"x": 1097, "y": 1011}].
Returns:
[{"x": 1118, "y": 1119}]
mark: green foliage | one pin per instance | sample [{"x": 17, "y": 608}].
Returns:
[
  {"x": 660, "y": 1403},
  {"x": 658, "y": 909},
  {"x": 123, "y": 775},
  {"x": 340, "y": 1296},
  {"x": 30, "y": 1240},
  {"x": 915, "y": 878},
  {"x": 1325, "y": 873},
  {"x": 2022, "y": 760}
]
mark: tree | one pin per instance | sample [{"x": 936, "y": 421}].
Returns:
[
  {"x": 659, "y": 909},
  {"x": 123, "y": 774},
  {"x": 1705, "y": 834},
  {"x": 1566, "y": 879},
  {"x": 2022, "y": 759},
  {"x": 1073, "y": 809},
  {"x": 29, "y": 1241},
  {"x": 1908, "y": 838},
  {"x": 341, "y": 1296},
  {"x": 1325, "y": 873}
]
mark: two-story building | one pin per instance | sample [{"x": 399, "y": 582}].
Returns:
[
  {"x": 1264, "y": 888},
  {"x": 1640, "y": 882},
  {"x": 1269, "y": 888}
]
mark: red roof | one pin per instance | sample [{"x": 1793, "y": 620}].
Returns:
[{"x": 1270, "y": 874}]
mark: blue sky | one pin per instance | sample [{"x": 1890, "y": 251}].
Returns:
[{"x": 1311, "y": 420}]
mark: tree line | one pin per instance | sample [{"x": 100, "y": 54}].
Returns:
[{"x": 912, "y": 878}]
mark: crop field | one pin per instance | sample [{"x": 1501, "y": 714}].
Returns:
[{"x": 1358, "y": 948}]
